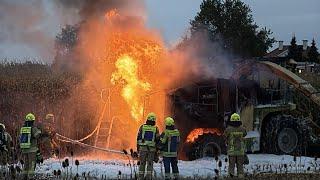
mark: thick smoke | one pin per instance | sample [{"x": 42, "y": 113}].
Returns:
[
  {"x": 197, "y": 58},
  {"x": 214, "y": 60},
  {"x": 94, "y": 8},
  {"x": 28, "y": 28}
]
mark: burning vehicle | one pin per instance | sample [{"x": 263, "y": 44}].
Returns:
[{"x": 279, "y": 110}]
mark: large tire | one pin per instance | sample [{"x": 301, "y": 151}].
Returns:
[
  {"x": 206, "y": 145},
  {"x": 285, "y": 134}
]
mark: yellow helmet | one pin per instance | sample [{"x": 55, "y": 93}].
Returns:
[
  {"x": 235, "y": 117},
  {"x": 151, "y": 117},
  {"x": 2, "y": 126},
  {"x": 49, "y": 116},
  {"x": 30, "y": 117},
  {"x": 169, "y": 121}
]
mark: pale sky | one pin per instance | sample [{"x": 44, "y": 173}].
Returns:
[
  {"x": 283, "y": 17},
  {"x": 171, "y": 17}
]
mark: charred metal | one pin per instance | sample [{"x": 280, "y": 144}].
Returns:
[{"x": 277, "y": 108}]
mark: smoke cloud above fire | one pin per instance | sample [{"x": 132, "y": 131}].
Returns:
[{"x": 94, "y": 8}]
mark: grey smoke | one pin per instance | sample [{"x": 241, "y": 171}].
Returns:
[
  {"x": 213, "y": 61},
  {"x": 28, "y": 28},
  {"x": 89, "y": 8}
]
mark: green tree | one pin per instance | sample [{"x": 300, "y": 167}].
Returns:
[
  {"x": 295, "y": 52},
  {"x": 66, "y": 58},
  {"x": 230, "y": 22},
  {"x": 313, "y": 53},
  {"x": 67, "y": 39}
]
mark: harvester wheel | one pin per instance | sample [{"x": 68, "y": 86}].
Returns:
[
  {"x": 285, "y": 134},
  {"x": 206, "y": 145}
]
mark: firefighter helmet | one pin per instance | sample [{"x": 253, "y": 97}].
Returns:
[
  {"x": 2, "y": 126},
  {"x": 169, "y": 121},
  {"x": 30, "y": 117},
  {"x": 151, "y": 117},
  {"x": 235, "y": 117},
  {"x": 49, "y": 116}
]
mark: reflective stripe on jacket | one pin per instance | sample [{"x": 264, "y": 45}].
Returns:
[
  {"x": 235, "y": 140},
  {"x": 147, "y": 136},
  {"x": 170, "y": 140},
  {"x": 29, "y": 145}
]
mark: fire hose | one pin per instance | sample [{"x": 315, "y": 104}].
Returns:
[
  {"x": 98, "y": 124},
  {"x": 69, "y": 140},
  {"x": 79, "y": 141}
]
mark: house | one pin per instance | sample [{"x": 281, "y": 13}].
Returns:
[
  {"x": 279, "y": 56},
  {"x": 305, "y": 66}
]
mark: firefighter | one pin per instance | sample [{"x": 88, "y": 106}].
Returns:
[
  {"x": 235, "y": 134},
  {"x": 6, "y": 148},
  {"x": 48, "y": 138},
  {"x": 147, "y": 138},
  {"x": 29, "y": 136},
  {"x": 169, "y": 141}
]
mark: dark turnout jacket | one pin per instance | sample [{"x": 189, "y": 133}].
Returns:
[{"x": 235, "y": 139}]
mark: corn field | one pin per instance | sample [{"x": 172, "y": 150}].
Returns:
[{"x": 35, "y": 87}]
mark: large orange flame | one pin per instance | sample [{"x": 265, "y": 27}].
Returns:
[
  {"x": 194, "y": 134},
  {"x": 133, "y": 89},
  {"x": 135, "y": 53},
  {"x": 132, "y": 62}
]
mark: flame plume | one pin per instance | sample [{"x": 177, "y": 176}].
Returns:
[
  {"x": 133, "y": 88},
  {"x": 135, "y": 54},
  {"x": 130, "y": 60}
]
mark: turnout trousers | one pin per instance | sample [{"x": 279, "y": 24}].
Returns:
[
  {"x": 146, "y": 159},
  {"x": 3, "y": 163},
  {"x": 29, "y": 164},
  {"x": 173, "y": 162},
  {"x": 236, "y": 161}
]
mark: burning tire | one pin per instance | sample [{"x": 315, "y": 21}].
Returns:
[
  {"x": 206, "y": 145},
  {"x": 285, "y": 134}
]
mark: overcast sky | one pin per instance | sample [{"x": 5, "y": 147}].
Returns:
[{"x": 283, "y": 17}]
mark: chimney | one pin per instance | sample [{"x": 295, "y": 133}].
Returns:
[
  {"x": 305, "y": 44},
  {"x": 280, "y": 45}
]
